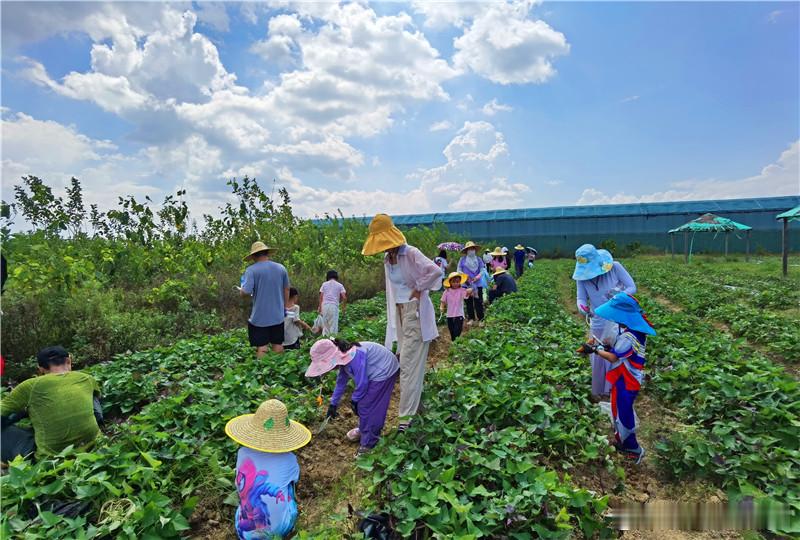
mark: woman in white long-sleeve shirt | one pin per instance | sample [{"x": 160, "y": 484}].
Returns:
[
  {"x": 411, "y": 321},
  {"x": 598, "y": 279}
]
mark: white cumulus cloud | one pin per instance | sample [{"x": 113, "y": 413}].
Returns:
[
  {"x": 506, "y": 46},
  {"x": 493, "y": 107}
]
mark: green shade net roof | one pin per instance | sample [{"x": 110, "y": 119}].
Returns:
[
  {"x": 791, "y": 215},
  {"x": 711, "y": 223}
]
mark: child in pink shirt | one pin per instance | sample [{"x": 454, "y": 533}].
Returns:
[
  {"x": 331, "y": 294},
  {"x": 453, "y": 298}
]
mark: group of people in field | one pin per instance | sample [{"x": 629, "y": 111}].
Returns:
[{"x": 64, "y": 408}]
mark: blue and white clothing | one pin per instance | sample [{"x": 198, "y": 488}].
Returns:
[{"x": 626, "y": 376}]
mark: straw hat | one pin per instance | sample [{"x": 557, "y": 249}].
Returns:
[
  {"x": 325, "y": 356},
  {"x": 383, "y": 235},
  {"x": 256, "y": 248},
  {"x": 269, "y": 429},
  {"x": 470, "y": 245},
  {"x": 455, "y": 275},
  {"x": 519, "y": 247},
  {"x": 498, "y": 252},
  {"x": 499, "y": 271}
]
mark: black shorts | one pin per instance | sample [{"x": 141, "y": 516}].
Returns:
[
  {"x": 265, "y": 335},
  {"x": 293, "y": 346}
]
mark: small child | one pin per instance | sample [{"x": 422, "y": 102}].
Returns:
[
  {"x": 331, "y": 294},
  {"x": 626, "y": 373},
  {"x": 453, "y": 298},
  {"x": 293, "y": 325}
]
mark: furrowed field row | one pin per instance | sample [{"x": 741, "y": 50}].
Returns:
[
  {"x": 133, "y": 380},
  {"x": 708, "y": 296},
  {"x": 143, "y": 480},
  {"x": 739, "y": 412},
  {"x": 503, "y": 421}
]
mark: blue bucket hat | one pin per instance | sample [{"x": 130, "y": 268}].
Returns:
[
  {"x": 591, "y": 262},
  {"x": 624, "y": 309}
]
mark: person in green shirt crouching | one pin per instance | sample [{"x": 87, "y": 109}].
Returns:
[{"x": 63, "y": 406}]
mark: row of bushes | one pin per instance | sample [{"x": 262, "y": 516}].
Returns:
[{"x": 141, "y": 278}]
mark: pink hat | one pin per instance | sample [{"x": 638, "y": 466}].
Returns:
[{"x": 325, "y": 356}]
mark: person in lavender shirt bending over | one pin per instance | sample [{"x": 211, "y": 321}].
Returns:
[
  {"x": 373, "y": 369},
  {"x": 598, "y": 279}
]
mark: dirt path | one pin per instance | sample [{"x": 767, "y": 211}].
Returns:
[
  {"x": 329, "y": 484},
  {"x": 645, "y": 483}
]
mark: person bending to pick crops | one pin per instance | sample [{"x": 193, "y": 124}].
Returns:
[
  {"x": 293, "y": 325},
  {"x": 373, "y": 369},
  {"x": 331, "y": 294},
  {"x": 473, "y": 267},
  {"x": 625, "y": 355},
  {"x": 411, "y": 320},
  {"x": 268, "y": 283},
  {"x": 63, "y": 406},
  {"x": 503, "y": 284},
  {"x": 598, "y": 279},
  {"x": 453, "y": 300},
  {"x": 266, "y": 470}
]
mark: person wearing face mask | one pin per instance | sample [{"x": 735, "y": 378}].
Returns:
[
  {"x": 410, "y": 317},
  {"x": 472, "y": 265}
]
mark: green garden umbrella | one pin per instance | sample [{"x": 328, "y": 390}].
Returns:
[
  {"x": 709, "y": 223},
  {"x": 789, "y": 215}
]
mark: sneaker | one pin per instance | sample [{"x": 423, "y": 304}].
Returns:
[
  {"x": 362, "y": 450},
  {"x": 403, "y": 427},
  {"x": 634, "y": 455},
  {"x": 354, "y": 434}
]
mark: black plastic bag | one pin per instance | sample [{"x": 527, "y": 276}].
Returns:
[{"x": 376, "y": 526}]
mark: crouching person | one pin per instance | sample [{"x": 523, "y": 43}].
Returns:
[
  {"x": 267, "y": 470},
  {"x": 374, "y": 370},
  {"x": 63, "y": 406}
]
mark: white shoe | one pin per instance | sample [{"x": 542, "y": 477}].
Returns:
[{"x": 354, "y": 434}]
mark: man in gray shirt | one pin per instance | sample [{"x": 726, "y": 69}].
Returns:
[{"x": 268, "y": 283}]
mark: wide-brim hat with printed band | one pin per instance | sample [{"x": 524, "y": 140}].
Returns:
[
  {"x": 498, "y": 272},
  {"x": 382, "y": 235},
  {"x": 257, "y": 247},
  {"x": 624, "y": 309},
  {"x": 269, "y": 429},
  {"x": 470, "y": 245},
  {"x": 591, "y": 262},
  {"x": 498, "y": 252},
  {"x": 325, "y": 356},
  {"x": 519, "y": 247},
  {"x": 455, "y": 275}
]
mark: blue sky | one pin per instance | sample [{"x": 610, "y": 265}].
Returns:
[{"x": 405, "y": 107}]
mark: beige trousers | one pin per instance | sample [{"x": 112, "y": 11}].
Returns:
[{"x": 413, "y": 357}]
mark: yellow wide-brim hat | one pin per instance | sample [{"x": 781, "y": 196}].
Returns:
[
  {"x": 519, "y": 246},
  {"x": 455, "y": 275},
  {"x": 470, "y": 245},
  {"x": 269, "y": 429},
  {"x": 383, "y": 235},
  {"x": 257, "y": 247},
  {"x": 499, "y": 271},
  {"x": 498, "y": 252}
]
